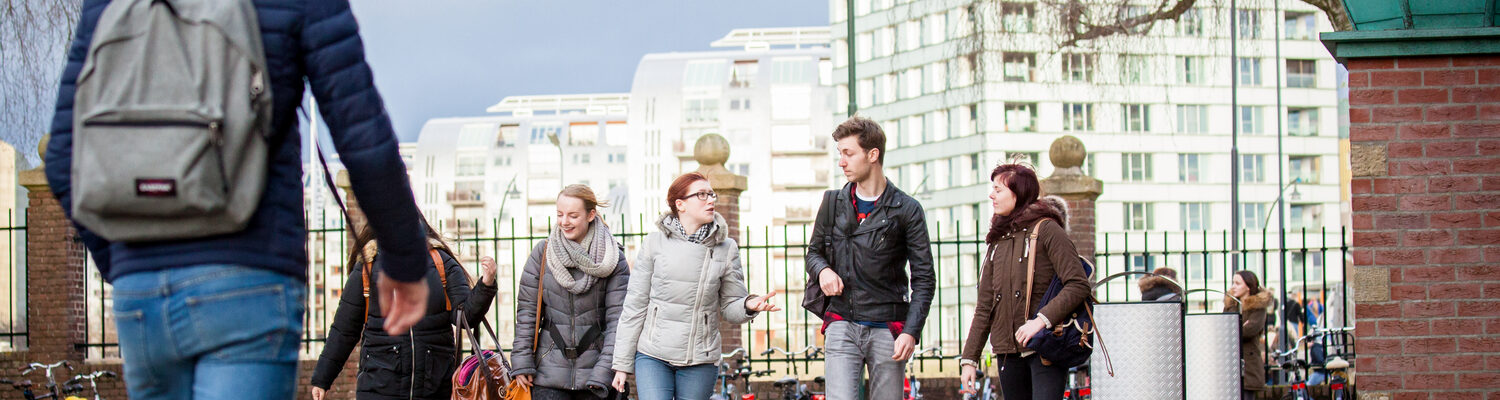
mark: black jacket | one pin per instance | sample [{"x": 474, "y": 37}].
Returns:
[
  {"x": 871, "y": 258},
  {"x": 389, "y": 365}
]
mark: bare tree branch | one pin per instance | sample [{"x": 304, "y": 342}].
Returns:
[
  {"x": 1077, "y": 27},
  {"x": 34, "y": 37}
]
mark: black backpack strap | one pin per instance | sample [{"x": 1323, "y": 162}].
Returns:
[{"x": 593, "y": 334}]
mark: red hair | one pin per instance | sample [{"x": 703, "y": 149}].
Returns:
[{"x": 679, "y": 188}]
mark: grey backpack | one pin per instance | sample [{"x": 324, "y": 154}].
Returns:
[{"x": 170, "y": 121}]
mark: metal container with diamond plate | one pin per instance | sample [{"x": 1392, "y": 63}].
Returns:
[
  {"x": 1212, "y": 347},
  {"x": 1145, "y": 345}
]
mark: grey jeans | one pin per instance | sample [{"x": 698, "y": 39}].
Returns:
[{"x": 853, "y": 348}]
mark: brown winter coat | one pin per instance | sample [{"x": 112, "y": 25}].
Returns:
[
  {"x": 1000, "y": 312},
  {"x": 1252, "y": 328}
]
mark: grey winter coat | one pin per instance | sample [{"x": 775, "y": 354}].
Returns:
[
  {"x": 679, "y": 293},
  {"x": 572, "y": 315}
]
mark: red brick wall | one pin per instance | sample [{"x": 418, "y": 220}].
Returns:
[{"x": 1428, "y": 215}]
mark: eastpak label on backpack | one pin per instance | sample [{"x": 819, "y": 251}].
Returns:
[{"x": 170, "y": 120}]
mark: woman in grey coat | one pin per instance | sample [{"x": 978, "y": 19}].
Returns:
[
  {"x": 687, "y": 278},
  {"x": 583, "y": 276}
]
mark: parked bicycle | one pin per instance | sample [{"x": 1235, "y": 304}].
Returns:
[
  {"x": 1078, "y": 383},
  {"x": 910, "y": 385},
  {"x": 1299, "y": 368},
  {"x": 75, "y": 385},
  {"x": 789, "y": 386},
  {"x": 729, "y": 370},
  {"x": 25, "y": 386}
]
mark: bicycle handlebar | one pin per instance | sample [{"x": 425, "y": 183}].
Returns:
[
  {"x": 809, "y": 350},
  {"x": 1309, "y": 336},
  {"x": 933, "y": 350},
  {"x": 738, "y": 350}
]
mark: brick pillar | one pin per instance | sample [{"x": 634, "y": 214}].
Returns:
[
  {"x": 57, "y": 306},
  {"x": 1425, "y": 159},
  {"x": 711, "y": 151},
  {"x": 1069, "y": 182}
]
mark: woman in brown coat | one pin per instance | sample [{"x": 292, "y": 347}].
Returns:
[
  {"x": 1252, "y": 306},
  {"x": 1002, "y": 316}
]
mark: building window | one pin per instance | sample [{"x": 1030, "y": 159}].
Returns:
[
  {"x": 1078, "y": 67},
  {"x": 1300, "y": 26},
  {"x": 863, "y": 41},
  {"x": 502, "y": 161},
  {"x": 1190, "y": 23},
  {"x": 936, "y": 27},
  {"x": 1190, "y": 70},
  {"x": 1253, "y": 168},
  {"x": 508, "y": 136},
  {"x": 743, "y": 73},
  {"x": 540, "y": 133},
  {"x": 1200, "y": 267},
  {"x": 469, "y": 166},
  {"x": 1306, "y": 266},
  {"x": 911, "y": 35},
  {"x": 700, "y": 110},
  {"x": 937, "y": 78},
  {"x": 1142, "y": 262},
  {"x": 1135, "y": 69},
  {"x": 1302, "y": 121},
  {"x": 794, "y": 71},
  {"x": 1020, "y": 117},
  {"x": 1301, "y": 73},
  {"x": 1078, "y": 117},
  {"x": 1305, "y": 216},
  {"x": 1304, "y": 169},
  {"x": 1249, "y": 24},
  {"x": 1253, "y": 120},
  {"x": 1032, "y": 158},
  {"x": 617, "y": 158},
  {"x": 1135, "y": 167},
  {"x": 1138, "y": 216},
  {"x": 1195, "y": 216},
  {"x": 1253, "y": 215},
  {"x": 582, "y": 158},
  {"x": 1135, "y": 118},
  {"x": 1020, "y": 67},
  {"x": 965, "y": 69},
  {"x": 1192, "y": 119},
  {"x": 1016, "y": 17},
  {"x": 705, "y": 73},
  {"x": 1249, "y": 71},
  {"x": 739, "y": 104},
  {"x": 1188, "y": 167}
]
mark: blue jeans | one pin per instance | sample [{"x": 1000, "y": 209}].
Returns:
[
  {"x": 210, "y": 332},
  {"x": 656, "y": 379}
]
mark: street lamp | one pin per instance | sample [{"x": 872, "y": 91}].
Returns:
[{"x": 1295, "y": 195}]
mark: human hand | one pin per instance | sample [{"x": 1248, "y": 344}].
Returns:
[
  {"x": 317, "y": 393},
  {"x": 905, "y": 344},
  {"x": 619, "y": 382},
  {"x": 1028, "y": 330},
  {"x": 404, "y": 303},
  {"x": 487, "y": 270},
  {"x": 762, "y": 303},
  {"x": 524, "y": 380},
  {"x": 830, "y": 282}
]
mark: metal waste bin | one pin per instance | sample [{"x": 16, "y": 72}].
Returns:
[
  {"x": 1145, "y": 345},
  {"x": 1213, "y": 356}
]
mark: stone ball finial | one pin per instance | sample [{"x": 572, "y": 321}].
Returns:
[
  {"x": 41, "y": 147},
  {"x": 711, "y": 149},
  {"x": 1067, "y": 152}
]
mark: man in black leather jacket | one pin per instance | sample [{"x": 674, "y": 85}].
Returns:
[{"x": 864, "y": 236}]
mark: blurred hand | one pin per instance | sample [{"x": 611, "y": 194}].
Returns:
[
  {"x": 487, "y": 270},
  {"x": 318, "y": 393},
  {"x": 1025, "y": 333},
  {"x": 967, "y": 375},
  {"x": 619, "y": 382},
  {"x": 905, "y": 345},
  {"x": 525, "y": 380},
  {"x": 830, "y": 282},
  {"x": 404, "y": 303},
  {"x": 762, "y": 303}
]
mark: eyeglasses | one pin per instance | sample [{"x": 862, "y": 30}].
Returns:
[{"x": 704, "y": 196}]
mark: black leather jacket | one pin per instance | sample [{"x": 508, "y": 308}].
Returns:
[{"x": 871, "y": 257}]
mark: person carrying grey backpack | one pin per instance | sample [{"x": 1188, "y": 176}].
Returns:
[{"x": 174, "y": 150}]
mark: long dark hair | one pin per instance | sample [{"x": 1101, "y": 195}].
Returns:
[
  {"x": 364, "y": 235},
  {"x": 1251, "y": 281},
  {"x": 1022, "y": 181}
]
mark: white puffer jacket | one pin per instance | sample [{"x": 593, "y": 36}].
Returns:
[{"x": 679, "y": 292}]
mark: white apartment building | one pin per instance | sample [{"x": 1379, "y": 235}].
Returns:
[
  {"x": 769, "y": 95},
  {"x": 963, "y": 85}
]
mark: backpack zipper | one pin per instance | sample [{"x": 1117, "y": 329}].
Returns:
[{"x": 161, "y": 123}]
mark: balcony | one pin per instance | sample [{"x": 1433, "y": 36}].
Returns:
[{"x": 466, "y": 198}]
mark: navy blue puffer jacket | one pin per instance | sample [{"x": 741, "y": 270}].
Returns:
[{"x": 307, "y": 43}]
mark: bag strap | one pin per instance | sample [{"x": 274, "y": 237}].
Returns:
[
  {"x": 1094, "y": 326},
  {"x": 1031, "y": 264},
  {"x": 479, "y": 351},
  {"x": 540, "y": 277},
  {"x": 437, "y": 262}
]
